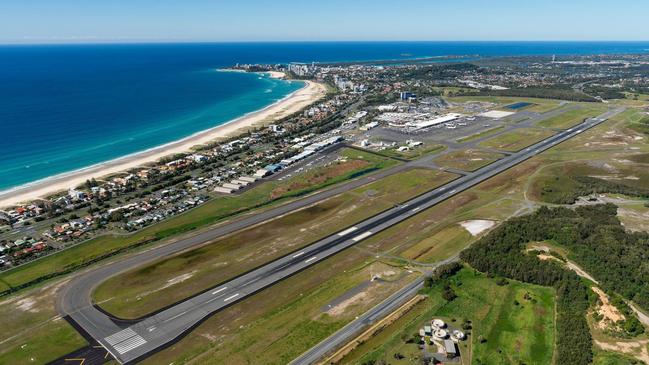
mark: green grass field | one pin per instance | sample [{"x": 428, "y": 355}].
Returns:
[
  {"x": 612, "y": 358},
  {"x": 517, "y": 140},
  {"x": 31, "y": 329},
  {"x": 482, "y": 134},
  {"x": 572, "y": 117},
  {"x": 637, "y": 121},
  {"x": 441, "y": 245},
  {"x": 211, "y": 212},
  {"x": 145, "y": 289},
  {"x": 48, "y": 343},
  {"x": 414, "y": 153},
  {"x": 468, "y": 160},
  {"x": 514, "y": 333}
]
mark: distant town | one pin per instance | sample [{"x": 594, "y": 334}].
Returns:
[{"x": 403, "y": 99}]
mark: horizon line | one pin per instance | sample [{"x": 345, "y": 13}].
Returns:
[{"x": 178, "y": 41}]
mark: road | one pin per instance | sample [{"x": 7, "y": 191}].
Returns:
[
  {"x": 345, "y": 334},
  {"x": 129, "y": 342}
]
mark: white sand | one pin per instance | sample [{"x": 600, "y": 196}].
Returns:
[
  {"x": 310, "y": 93},
  {"x": 478, "y": 226}
]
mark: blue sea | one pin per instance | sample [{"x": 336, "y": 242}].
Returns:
[{"x": 66, "y": 107}]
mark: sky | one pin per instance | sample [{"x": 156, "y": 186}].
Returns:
[{"x": 72, "y": 21}]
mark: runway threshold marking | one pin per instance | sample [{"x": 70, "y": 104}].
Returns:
[
  {"x": 130, "y": 344},
  {"x": 120, "y": 336}
]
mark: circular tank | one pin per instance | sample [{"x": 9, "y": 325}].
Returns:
[
  {"x": 440, "y": 333},
  {"x": 458, "y": 335},
  {"x": 438, "y": 323}
]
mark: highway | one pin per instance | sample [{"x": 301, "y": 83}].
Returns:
[{"x": 129, "y": 342}]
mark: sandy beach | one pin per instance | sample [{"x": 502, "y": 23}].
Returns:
[{"x": 310, "y": 93}]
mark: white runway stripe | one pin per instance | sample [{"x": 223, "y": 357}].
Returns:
[
  {"x": 362, "y": 236},
  {"x": 130, "y": 344},
  {"x": 347, "y": 231},
  {"x": 231, "y": 297},
  {"x": 120, "y": 336}
]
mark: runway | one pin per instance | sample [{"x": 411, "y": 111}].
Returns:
[{"x": 129, "y": 342}]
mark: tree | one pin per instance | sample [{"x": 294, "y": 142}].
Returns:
[{"x": 449, "y": 294}]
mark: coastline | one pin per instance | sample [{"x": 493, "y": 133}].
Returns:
[{"x": 292, "y": 103}]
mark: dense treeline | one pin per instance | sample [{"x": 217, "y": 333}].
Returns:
[
  {"x": 599, "y": 186},
  {"x": 596, "y": 239},
  {"x": 440, "y": 72},
  {"x": 502, "y": 252},
  {"x": 599, "y": 243},
  {"x": 574, "y": 342},
  {"x": 605, "y": 92},
  {"x": 587, "y": 185},
  {"x": 535, "y": 92}
]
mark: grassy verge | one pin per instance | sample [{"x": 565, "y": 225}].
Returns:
[
  {"x": 517, "y": 140},
  {"x": 468, "y": 160},
  {"x": 482, "y": 134},
  {"x": 415, "y": 153},
  {"x": 212, "y": 212},
  {"x": 441, "y": 245},
  {"x": 32, "y": 333},
  {"x": 564, "y": 183},
  {"x": 572, "y": 117},
  {"x": 611, "y": 358},
  {"x": 154, "y": 286},
  {"x": 50, "y": 342}
]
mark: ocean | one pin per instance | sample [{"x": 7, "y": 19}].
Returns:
[{"x": 66, "y": 107}]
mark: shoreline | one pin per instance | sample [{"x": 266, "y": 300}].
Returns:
[{"x": 292, "y": 103}]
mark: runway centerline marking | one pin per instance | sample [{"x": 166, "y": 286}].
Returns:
[
  {"x": 311, "y": 259},
  {"x": 176, "y": 316}
]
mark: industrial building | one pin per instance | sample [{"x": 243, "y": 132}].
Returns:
[{"x": 417, "y": 121}]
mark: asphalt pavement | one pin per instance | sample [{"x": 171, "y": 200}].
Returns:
[{"x": 129, "y": 342}]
